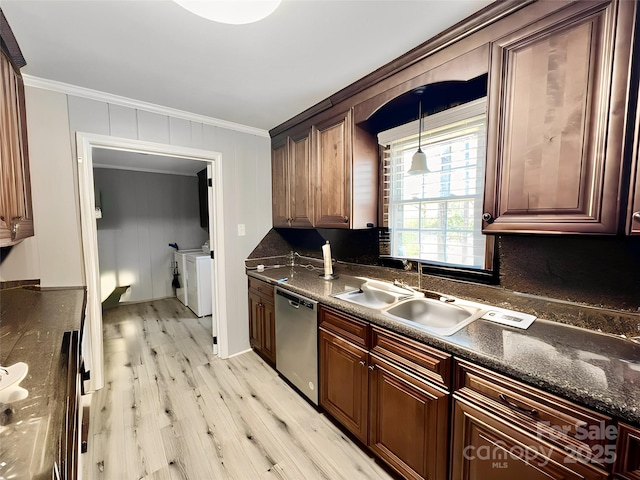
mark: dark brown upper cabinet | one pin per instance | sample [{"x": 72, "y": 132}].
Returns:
[
  {"x": 558, "y": 90},
  {"x": 300, "y": 175},
  {"x": 292, "y": 188},
  {"x": 280, "y": 184},
  {"x": 345, "y": 174},
  {"x": 332, "y": 141},
  {"x": 16, "y": 216}
]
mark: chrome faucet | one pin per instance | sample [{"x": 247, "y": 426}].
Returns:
[{"x": 406, "y": 286}]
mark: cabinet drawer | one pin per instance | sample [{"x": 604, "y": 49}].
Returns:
[
  {"x": 485, "y": 446},
  {"x": 345, "y": 326},
  {"x": 627, "y": 463},
  {"x": 415, "y": 356},
  {"x": 261, "y": 288},
  {"x": 582, "y": 433}
]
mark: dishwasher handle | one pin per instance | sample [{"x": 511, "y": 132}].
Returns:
[{"x": 295, "y": 301}]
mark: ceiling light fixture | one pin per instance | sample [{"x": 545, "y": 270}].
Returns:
[
  {"x": 234, "y": 12},
  {"x": 419, "y": 159}
]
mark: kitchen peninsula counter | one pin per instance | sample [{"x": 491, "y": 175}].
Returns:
[
  {"x": 600, "y": 371},
  {"x": 32, "y": 326}
]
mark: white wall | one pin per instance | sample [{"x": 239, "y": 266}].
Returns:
[
  {"x": 142, "y": 213},
  {"x": 54, "y": 255}
]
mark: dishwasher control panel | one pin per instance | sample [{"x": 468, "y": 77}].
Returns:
[{"x": 296, "y": 300}]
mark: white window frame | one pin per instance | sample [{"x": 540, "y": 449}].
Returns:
[{"x": 473, "y": 115}]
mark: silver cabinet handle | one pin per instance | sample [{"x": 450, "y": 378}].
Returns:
[
  {"x": 371, "y": 367},
  {"x": 346, "y": 219},
  {"x": 15, "y": 223},
  {"x": 636, "y": 216},
  {"x": 487, "y": 217},
  {"x": 361, "y": 362}
]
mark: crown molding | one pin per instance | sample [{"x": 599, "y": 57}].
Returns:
[{"x": 77, "y": 91}]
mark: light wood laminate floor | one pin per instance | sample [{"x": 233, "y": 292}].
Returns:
[{"x": 170, "y": 410}]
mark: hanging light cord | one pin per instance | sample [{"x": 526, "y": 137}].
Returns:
[{"x": 419, "y": 125}]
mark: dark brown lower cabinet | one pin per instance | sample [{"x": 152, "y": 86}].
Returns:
[
  {"x": 66, "y": 465},
  {"x": 262, "y": 324},
  {"x": 627, "y": 464},
  {"x": 344, "y": 382},
  {"x": 408, "y": 421},
  {"x": 382, "y": 399},
  {"x": 484, "y": 447}
]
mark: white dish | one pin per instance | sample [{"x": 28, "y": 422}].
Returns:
[{"x": 13, "y": 375}]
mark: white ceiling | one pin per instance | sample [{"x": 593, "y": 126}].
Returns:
[
  {"x": 258, "y": 74},
  {"x": 123, "y": 160}
]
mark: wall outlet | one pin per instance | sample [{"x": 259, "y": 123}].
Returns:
[{"x": 242, "y": 231}]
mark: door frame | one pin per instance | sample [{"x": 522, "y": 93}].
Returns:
[{"x": 92, "y": 341}]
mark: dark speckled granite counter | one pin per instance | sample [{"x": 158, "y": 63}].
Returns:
[
  {"x": 32, "y": 324},
  {"x": 600, "y": 371}
]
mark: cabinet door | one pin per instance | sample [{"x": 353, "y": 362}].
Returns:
[
  {"x": 301, "y": 198},
  {"x": 557, "y": 113},
  {"x": 16, "y": 219},
  {"x": 280, "y": 185},
  {"x": 408, "y": 422},
  {"x": 344, "y": 382},
  {"x": 255, "y": 321},
  {"x": 485, "y": 447},
  {"x": 333, "y": 172},
  {"x": 633, "y": 213},
  {"x": 627, "y": 464},
  {"x": 269, "y": 331}
]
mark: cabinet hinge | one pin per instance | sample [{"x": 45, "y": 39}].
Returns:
[
  {"x": 215, "y": 340},
  {"x": 212, "y": 255},
  {"x": 210, "y": 182}
]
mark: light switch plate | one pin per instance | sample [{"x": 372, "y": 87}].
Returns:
[{"x": 242, "y": 231}]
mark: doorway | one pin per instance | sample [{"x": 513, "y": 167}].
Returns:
[{"x": 88, "y": 145}]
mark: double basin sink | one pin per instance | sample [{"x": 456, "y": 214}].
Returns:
[{"x": 442, "y": 317}]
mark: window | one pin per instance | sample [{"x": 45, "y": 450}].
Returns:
[{"x": 436, "y": 217}]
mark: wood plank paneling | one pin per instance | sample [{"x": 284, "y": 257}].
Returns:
[
  {"x": 196, "y": 135},
  {"x": 153, "y": 127},
  {"x": 180, "y": 132},
  {"x": 262, "y": 204},
  {"x": 86, "y": 115},
  {"x": 142, "y": 213},
  {"x": 123, "y": 121}
]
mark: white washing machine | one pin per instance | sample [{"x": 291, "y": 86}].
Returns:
[
  {"x": 199, "y": 298},
  {"x": 180, "y": 257}
]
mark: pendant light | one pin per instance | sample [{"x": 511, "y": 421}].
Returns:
[{"x": 419, "y": 159}]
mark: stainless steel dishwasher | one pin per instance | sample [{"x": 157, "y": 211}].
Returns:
[{"x": 297, "y": 341}]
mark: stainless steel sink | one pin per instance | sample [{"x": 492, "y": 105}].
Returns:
[
  {"x": 442, "y": 317},
  {"x": 436, "y": 316},
  {"x": 376, "y": 294}
]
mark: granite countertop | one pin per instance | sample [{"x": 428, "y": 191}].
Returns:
[
  {"x": 597, "y": 370},
  {"x": 32, "y": 324}
]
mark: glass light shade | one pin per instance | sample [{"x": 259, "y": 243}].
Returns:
[
  {"x": 234, "y": 12},
  {"x": 418, "y": 164}
]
